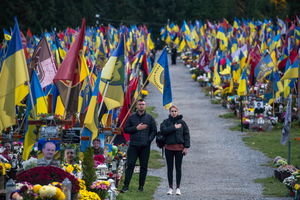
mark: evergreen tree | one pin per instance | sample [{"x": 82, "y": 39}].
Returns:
[{"x": 88, "y": 170}]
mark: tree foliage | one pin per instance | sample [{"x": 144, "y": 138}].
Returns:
[{"x": 47, "y": 14}]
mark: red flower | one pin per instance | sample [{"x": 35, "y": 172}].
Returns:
[
  {"x": 47, "y": 174},
  {"x": 99, "y": 159}
]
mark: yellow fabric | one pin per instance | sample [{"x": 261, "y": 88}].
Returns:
[
  {"x": 156, "y": 77},
  {"x": 84, "y": 71},
  {"x": 14, "y": 74}
]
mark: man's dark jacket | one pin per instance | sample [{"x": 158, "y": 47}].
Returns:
[{"x": 142, "y": 137}]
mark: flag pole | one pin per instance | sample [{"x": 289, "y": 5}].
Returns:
[
  {"x": 103, "y": 96},
  {"x": 241, "y": 112},
  {"x": 68, "y": 98},
  {"x": 146, "y": 81},
  {"x": 131, "y": 107},
  {"x": 30, "y": 93},
  {"x": 289, "y": 136}
]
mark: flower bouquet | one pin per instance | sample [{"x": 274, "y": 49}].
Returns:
[
  {"x": 72, "y": 169},
  {"x": 30, "y": 163},
  {"x": 98, "y": 159},
  {"x": 24, "y": 191},
  {"x": 279, "y": 161},
  {"x": 101, "y": 188},
  {"x": 4, "y": 167},
  {"x": 47, "y": 174},
  {"x": 84, "y": 194},
  {"x": 284, "y": 171}
]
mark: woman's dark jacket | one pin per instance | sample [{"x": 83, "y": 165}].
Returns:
[
  {"x": 173, "y": 135},
  {"x": 142, "y": 137}
]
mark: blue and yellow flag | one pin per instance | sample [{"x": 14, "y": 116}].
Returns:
[
  {"x": 292, "y": 71},
  {"x": 160, "y": 78},
  {"x": 7, "y": 35},
  {"x": 112, "y": 79},
  {"x": 13, "y": 75},
  {"x": 242, "y": 89},
  {"x": 90, "y": 122},
  {"x": 38, "y": 98}
]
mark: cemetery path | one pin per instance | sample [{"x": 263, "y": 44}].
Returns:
[{"x": 219, "y": 165}]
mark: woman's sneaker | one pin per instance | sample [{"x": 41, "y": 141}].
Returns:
[
  {"x": 178, "y": 191},
  {"x": 170, "y": 191}
]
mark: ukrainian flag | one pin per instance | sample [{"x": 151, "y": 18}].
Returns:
[
  {"x": 13, "y": 75},
  {"x": 91, "y": 130},
  {"x": 38, "y": 98},
  {"x": 292, "y": 71},
  {"x": 113, "y": 76},
  {"x": 7, "y": 36},
  {"x": 160, "y": 78},
  {"x": 242, "y": 89}
]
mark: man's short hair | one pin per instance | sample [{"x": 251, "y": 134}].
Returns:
[
  {"x": 49, "y": 143},
  {"x": 141, "y": 100},
  {"x": 96, "y": 139}
]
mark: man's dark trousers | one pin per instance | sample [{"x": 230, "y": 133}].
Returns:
[{"x": 134, "y": 152}]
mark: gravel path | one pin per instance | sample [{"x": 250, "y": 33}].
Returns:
[{"x": 219, "y": 165}]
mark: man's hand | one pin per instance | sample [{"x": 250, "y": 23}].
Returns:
[
  {"x": 141, "y": 126},
  {"x": 178, "y": 126}
]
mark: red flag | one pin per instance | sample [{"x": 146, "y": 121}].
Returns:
[
  {"x": 145, "y": 65},
  {"x": 127, "y": 103},
  {"x": 29, "y": 34},
  {"x": 254, "y": 57},
  {"x": 68, "y": 74}
]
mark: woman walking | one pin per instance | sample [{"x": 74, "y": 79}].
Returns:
[{"x": 176, "y": 145}]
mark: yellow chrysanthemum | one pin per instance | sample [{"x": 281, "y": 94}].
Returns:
[
  {"x": 81, "y": 184},
  {"x": 106, "y": 183},
  {"x": 7, "y": 166},
  {"x": 297, "y": 186},
  {"x": 36, "y": 188},
  {"x": 47, "y": 191},
  {"x": 69, "y": 169},
  {"x": 86, "y": 195},
  {"x": 60, "y": 195}
]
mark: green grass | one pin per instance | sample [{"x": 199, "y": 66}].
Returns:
[
  {"x": 272, "y": 187},
  {"x": 215, "y": 101},
  {"x": 155, "y": 160},
  {"x": 229, "y": 115},
  {"x": 152, "y": 182},
  {"x": 237, "y": 126},
  {"x": 269, "y": 144}
]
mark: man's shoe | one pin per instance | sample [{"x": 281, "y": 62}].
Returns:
[
  {"x": 141, "y": 189},
  {"x": 178, "y": 191},
  {"x": 124, "y": 189},
  {"x": 170, "y": 191}
]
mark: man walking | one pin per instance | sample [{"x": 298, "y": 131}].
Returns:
[{"x": 142, "y": 129}]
